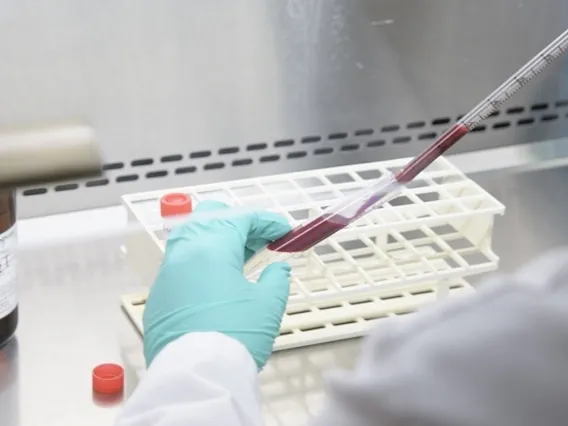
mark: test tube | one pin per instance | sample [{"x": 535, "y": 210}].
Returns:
[{"x": 174, "y": 207}]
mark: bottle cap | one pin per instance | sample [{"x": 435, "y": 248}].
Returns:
[
  {"x": 108, "y": 378},
  {"x": 175, "y": 204}
]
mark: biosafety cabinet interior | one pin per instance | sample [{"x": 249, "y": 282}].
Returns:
[
  {"x": 201, "y": 94},
  {"x": 184, "y": 93}
]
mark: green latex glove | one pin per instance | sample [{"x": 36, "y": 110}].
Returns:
[{"x": 200, "y": 286}]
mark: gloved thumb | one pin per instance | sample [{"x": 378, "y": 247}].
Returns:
[{"x": 276, "y": 279}]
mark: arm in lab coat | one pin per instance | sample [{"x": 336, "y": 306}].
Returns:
[
  {"x": 498, "y": 357},
  {"x": 200, "y": 379}
]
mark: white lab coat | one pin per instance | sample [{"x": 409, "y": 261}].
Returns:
[{"x": 497, "y": 358}]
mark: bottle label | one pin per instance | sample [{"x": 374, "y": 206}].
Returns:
[{"x": 8, "y": 299}]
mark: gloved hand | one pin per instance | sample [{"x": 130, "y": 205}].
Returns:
[{"x": 200, "y": 286}]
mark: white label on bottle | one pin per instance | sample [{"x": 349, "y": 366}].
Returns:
[{"x": 8, "y": 299}]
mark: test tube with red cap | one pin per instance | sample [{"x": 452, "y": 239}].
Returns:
[{"x": 174, "y": 207}]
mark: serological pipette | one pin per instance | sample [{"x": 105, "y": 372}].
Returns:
[{"x": 349, "y": 209}]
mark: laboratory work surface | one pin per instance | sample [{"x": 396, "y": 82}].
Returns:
[{"x": 70, "y": 316}]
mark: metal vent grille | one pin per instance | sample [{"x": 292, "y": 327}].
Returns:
[{"x": 334, "y": 148}]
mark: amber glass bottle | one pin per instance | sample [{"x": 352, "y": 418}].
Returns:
[{"x": 8, "y": 298}]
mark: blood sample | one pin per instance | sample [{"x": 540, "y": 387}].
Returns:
[
  {"x": 336, "y": 217},
  {"x": 313, "y": 232},
  {"x": 303, "y": 237},
  {"x": 8, "y": 299},
  {"x": 448, "y": 139},
  {"x": 353, "y": 207}
]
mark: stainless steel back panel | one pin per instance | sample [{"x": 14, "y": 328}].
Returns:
[{"x": 183, "y": 92}]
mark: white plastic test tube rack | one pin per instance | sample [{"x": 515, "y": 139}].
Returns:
[{"x": 419, "y": 247}]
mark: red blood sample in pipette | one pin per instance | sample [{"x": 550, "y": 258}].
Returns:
[
  {"x": 448, "y": 139},
  {"x": 308, "y": 235},
  {"x": 303, "y": 237},
  {"x": 329, "y": 222}
]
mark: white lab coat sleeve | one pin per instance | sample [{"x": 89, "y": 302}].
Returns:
[
  {"x": 199, "y": 379},
  {"x": 497, "y": 357}
]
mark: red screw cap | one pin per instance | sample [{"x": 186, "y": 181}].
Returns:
[
  {"x": 108, "y": 379},
  {"x": 175, "y": 204}
]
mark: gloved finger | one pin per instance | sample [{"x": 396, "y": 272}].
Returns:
[
  {"x": 210, "y": 205},
  {"x": 276, "y": 279},
  {"x": 248, "y": 254},
  {"x": 266, "y": 227},
  {"x": 254, "y": 229},
  {"x": 196, "y": 224},
  {"x": 257, "y": 227}
]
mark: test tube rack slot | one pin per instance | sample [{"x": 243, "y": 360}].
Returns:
[{"x": 418, "y": 248}]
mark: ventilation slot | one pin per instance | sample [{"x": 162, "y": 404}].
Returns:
[
  {"x": 502, "y": 125},
  {"x": 366, "y": 142},
  {"x": 200, "y": 154},
  {"x": 401, "y": 139},
  {"x": 425, "y": 136},
  {"x": 350, "y": 147},
  {"x": 440, "y": 121},
  {"x": 416, "y": 125},
  {"x": 95, "y": 183},
  {"x": 282, "y": 143},
  {"x": 269, "y": 158},
  {"x": 256, "y": 147},
  {"x": 323, "y": 151},
  {"x": 214, "y": 166},
  {"x": 340, "y": 135},
  {"x": 549, "y": 117},
  {"x": 479, "y": 128},
  {"x": 127, "y": 178},
  {"x": 184, "y": 170},
  {"x": 242, "y": 162},
  {"x": 391, "y": 128},
  {"x": 157, "y": 174},
  {"x": 171, "y": 158},
  {"x": 376, "y": 143},
  {"x": 229, "y": 150},
  {"x": 311, "y": 139},
  {"x": 66, "y": 187},
  {"x": 35, "y": 191},
  {"x": 515, "y": 110},
  {"x": 525, "y": 121},
  {"x": 142, "y": 162},
  {"x": 297, "y": 154},
  {"x": 113, "y": 166}
]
